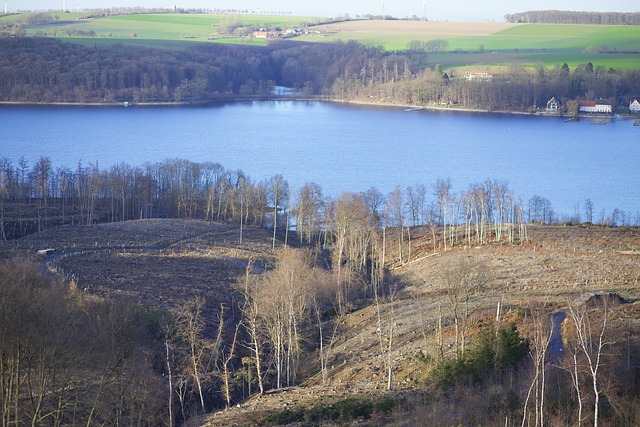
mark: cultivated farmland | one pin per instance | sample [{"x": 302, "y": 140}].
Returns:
[
  {"x": 468, "y": 44},
  {"x": 498, "y": 43},
  {"x": 193, "y": 27}
]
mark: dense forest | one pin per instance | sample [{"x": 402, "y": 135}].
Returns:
[
  {"x": 572, "y": 17},
  {"x": 44, "y": 70}
]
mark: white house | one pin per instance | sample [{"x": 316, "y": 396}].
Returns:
[
  {"x": 634, "y": 106},
  {"x": 553, "y": 104}
]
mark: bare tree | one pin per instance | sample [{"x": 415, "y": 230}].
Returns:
[
  {"x": 278, "y": 194},
  {"x": 42, "y": 171},
  {"x": 375, "y": 201},
  {"x": 3, "y": 192},
  {"x": 539, "y": 340},
  {"x": 442, "y": 191},
  {"x": 190, "y": 326},
  {"x": 592, "y": 315},
  {"x": 228, "y": 354},
  {"x": 307, "y": 210},
  {"x": 588, "y": 210},
  {"x": 463, "y": 281},
  {"x": 395, "y": 217},
  {"x": 252, "y": 323}
]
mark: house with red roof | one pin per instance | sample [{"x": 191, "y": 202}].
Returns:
[{"x": 588, "y": 106}]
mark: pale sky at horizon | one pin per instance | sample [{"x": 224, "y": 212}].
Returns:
[{"x": 460, "y": 10}]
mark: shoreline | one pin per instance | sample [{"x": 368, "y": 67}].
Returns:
[
  {"x": 408, "y": 107},
  {"x": 485, "y": 111}
]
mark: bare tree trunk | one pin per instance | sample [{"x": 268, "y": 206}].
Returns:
[
  {"x": 166, "y": 343},
  {"x": 409, "y": 240},
  {"x": 390, "y": 362},
  {"x": 256, "y": 353},
  {"x": 225, "y": 366}
]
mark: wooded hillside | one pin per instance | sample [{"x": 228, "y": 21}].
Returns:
[{"x": 45, "y": 70}]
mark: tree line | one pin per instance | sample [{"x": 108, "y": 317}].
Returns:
[
  {"x": 516, "y": 89},
  {"x": 45, "y": 70},
  {"x": 574, "y": 17},
  {"x": 39, "y": 195}
]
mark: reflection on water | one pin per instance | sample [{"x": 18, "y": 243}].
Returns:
[{"x": 556, "y": 347}]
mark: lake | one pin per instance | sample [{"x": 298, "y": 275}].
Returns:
[{"x": 348, "y": 148}]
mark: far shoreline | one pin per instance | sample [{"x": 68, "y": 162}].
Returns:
[{"x": 235, "y": 99}]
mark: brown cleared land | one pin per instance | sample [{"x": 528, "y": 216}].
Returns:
[
  {"x": 556, "y": 265},
  {"x": 418, "y": 27}
]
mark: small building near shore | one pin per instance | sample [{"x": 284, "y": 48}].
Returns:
[
  {"x": 553, "y": 105},
  {"x": 588, "y": 106},
  {"x": 634, "y": 106}
]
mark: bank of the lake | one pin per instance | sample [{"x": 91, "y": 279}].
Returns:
[{"x": 319, "y": 98}]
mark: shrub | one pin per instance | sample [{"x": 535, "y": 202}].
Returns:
[{"x": 488, "y": 352}]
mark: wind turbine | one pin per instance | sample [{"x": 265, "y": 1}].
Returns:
[{"x": 424, "y": 10}]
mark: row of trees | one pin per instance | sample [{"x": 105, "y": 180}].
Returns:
[
  {"x": 39, "y": 195},
  {"x": 518, "y": 88},
  {"x": 572, "y": 17}
]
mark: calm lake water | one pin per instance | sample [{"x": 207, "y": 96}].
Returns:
[{"x": 348, "y": 148}]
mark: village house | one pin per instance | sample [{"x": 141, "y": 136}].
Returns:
[
  {"x": 634, "y": 106},
  {"x": 588, "y": 106},
  {"x": 478, "y": 76},
  {"x": 553, "y": 105}
]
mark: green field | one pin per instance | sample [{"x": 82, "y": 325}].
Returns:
[
  {"x": 469, "y": 44},
  {"x": 169, "y": 26},
  {"x": 530, "y": 44},
  {"x": 526, "y": 36}
]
